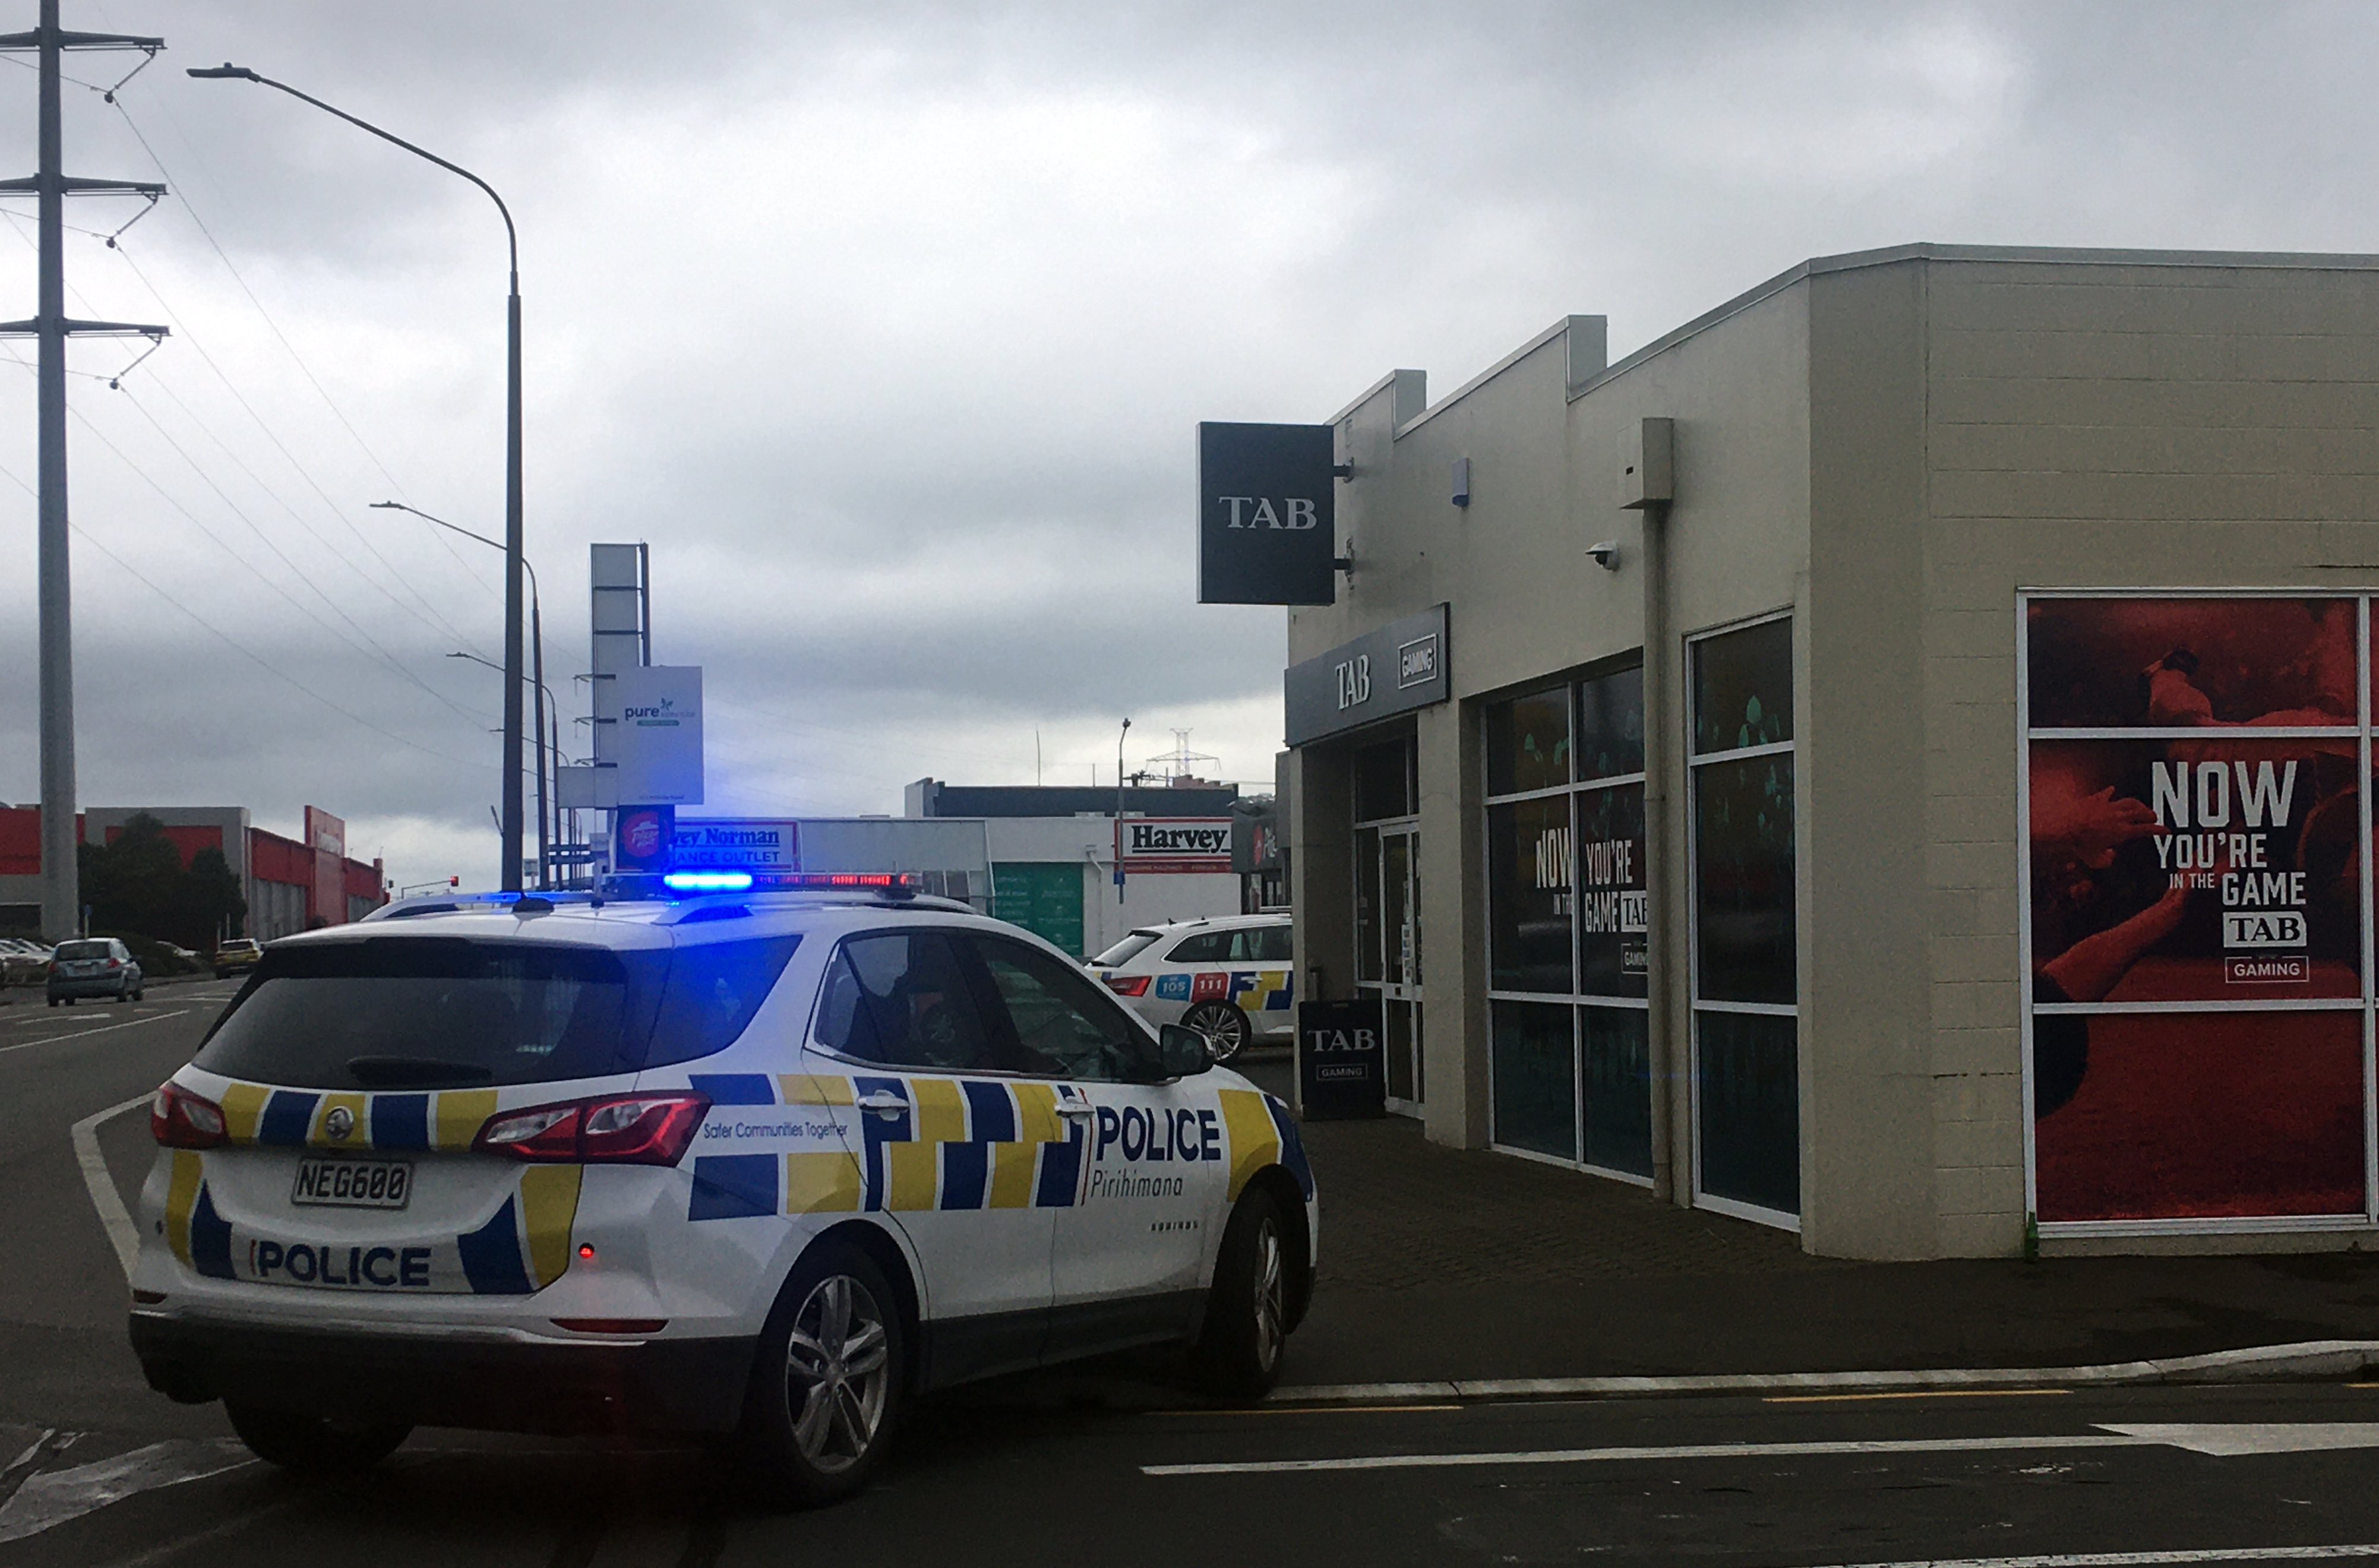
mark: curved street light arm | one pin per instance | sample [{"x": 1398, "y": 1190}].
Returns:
[{"x": 241, "y": 73}]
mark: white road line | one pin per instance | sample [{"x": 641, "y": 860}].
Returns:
[
  {"x": 2142, "y": 1559},
  {"x": 121, "y": 1233},
  {"x": 53, "y": 1496},
  {"x": 2221, "y": 1439},
  {"x": 103, "y": 1029},
  {"x": 1693, "y": 1451},
  {"x": 2229, "y": 1438},
  {"x": 2311, "y": 1359}
]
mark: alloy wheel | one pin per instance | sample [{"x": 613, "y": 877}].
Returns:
[
  {"x": 837, "y": 1373},
  {"x": 1271, "y": 1310},
  {"x": 1224, "y": 1026}
]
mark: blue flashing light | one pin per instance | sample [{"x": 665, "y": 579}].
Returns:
[{"x": 707, "y": 881}]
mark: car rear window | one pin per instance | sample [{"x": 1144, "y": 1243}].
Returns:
[
  {"x": 1206, "y": 947},
  {"x": 1126, "y": 950},
  {"x": 427, "y": 1012},
  {"x": 83, "y": 950}
]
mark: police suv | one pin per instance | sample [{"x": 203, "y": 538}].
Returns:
[
  {"x": 1232, "y": 978},
  {"x": 768, "y": 1164}
]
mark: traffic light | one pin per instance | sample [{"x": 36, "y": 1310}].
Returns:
[{"x": 453, "y": 882}]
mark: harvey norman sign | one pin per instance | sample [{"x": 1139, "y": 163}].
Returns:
[
  {"x": 1391, "y": 668},
  {"x": 1181, "y": 845},
  {"x": 1265, "y": 526},
  {"x": 754, "y": 844}
]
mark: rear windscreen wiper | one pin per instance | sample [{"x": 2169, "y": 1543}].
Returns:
[{"x": 414, "y": 1072}]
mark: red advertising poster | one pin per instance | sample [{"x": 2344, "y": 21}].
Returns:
[
  {"x": 2127, "y": 663},
  {"x": 2221, "y": 870},
  {"x": 2187, "y": 872}
]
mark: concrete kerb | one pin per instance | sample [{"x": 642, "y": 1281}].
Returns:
[{"x": 2313, "y": 1359}]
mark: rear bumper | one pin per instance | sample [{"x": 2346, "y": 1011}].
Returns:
[
  {"x": 89, "y": 984},
  {"x": 685, "y": 1385}
]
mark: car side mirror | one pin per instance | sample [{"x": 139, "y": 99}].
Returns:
[{"x": 1181, "y": 1052}]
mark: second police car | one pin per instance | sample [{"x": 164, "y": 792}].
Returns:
[
  {"x": 1232, "y": 978},
  {"x": 761, "y": 1164}
]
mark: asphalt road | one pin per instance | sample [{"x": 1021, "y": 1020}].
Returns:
[{"x": 98, "y": 1471}]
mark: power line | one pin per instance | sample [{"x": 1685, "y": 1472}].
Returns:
[
  {"x": 283, "y": 556},
  {"x": 192, "y": 211},
  {"x": 389, "y": 660},
  {"x": 262, "y": 663},
  {"x": 295, "y": 358},
  {"x": 438, "y": 622},
  {"x": 224, "y": 545}
]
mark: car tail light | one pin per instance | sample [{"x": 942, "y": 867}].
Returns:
[
  {"x": 628, "y": 1129},
  {"x": 1127, "y": 984},
  {"x": 179, "y": 1119},
  {"x": 116, "y": 963}
]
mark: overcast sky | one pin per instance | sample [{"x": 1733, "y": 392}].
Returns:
[{"x": 888, "y": 326}]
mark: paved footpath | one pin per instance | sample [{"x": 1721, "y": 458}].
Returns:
[{"x": 1440, "y": 1263}]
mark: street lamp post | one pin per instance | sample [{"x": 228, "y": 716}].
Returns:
[
  {"x": 1121, "y": 736},
  {"x": 537, "y": 644},
  {"x": 547, "y": 746},
  {"x": 510, "y": 820}
]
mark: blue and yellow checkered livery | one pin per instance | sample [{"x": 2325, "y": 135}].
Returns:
[{"x": 952, "y": 1143}]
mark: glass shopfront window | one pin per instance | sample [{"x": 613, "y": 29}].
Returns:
[
  {"x": 1745, "y": 985},
  {"x": 1567, "y": 923},
  {"x": 2197, "y": 929},
  {"x": 1535, "y": 1078},
  {"x": 1529, "y": 901}
]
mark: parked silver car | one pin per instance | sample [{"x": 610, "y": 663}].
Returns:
[
  {"x": 95, "y": 966},
  {"x": 23, "y": 962}
]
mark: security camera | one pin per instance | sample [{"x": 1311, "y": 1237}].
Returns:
[{"x": 1606, "y": 555}]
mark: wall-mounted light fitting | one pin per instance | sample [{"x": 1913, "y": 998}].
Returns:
[
  {"x": 1606, "y": 554},
  {"x": 1462, "y": 481}
]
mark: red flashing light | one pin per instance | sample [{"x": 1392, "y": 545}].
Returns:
[
  {"x": 179, "y": 1119},
  {"x": 830, "y": 879},
  {"x": 1128, "y": 984},
  {"x": 617, "y": 1129}
]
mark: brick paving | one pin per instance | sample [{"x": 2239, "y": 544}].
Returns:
[
  {"x": 1450, "y": 1264},
  {"x": 1399, "y": 1211}
]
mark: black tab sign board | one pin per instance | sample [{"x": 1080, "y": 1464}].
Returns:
[
  {"x": 1266, "y": 532},
  {"x": 1342, "y": 1063}
]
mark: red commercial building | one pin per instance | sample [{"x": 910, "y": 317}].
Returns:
[{"x": 290, "y": 883}]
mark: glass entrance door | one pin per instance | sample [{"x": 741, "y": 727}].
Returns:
[{"x": 1391, "y": 884}]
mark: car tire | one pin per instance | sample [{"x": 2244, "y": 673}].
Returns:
[
  {"x": 829, "y": 1381},
  {"x": 1239, "y": 1349},
  {"x": 314, "y": 1446},
  {"x": 53, "y": 1001},
  {"x": 1226, "y": 1028}
]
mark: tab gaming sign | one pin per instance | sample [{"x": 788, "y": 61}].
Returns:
[{"x": 1266, "y": 524}]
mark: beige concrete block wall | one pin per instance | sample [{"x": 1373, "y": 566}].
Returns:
[
  {"x": 1868, "y": 1184},
  {"x": 2097, "y": 424},
  {"x": 1891, "y": 446}
]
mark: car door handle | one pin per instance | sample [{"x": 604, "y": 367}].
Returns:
[
  {"x": 883, "y": 1102},
  {"x": 1075, "y": 1108}
]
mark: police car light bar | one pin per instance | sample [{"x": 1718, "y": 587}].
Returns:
[
  {"x": 707, "y": 881},
  {"x": 838, "y": 879}
]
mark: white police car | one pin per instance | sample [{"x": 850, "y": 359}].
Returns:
[
  {"x": 762, "y": 1163},
  {"x": 1233, "y": 979}
]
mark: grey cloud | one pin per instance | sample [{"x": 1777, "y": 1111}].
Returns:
[{"x": 888, "y": 326}]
